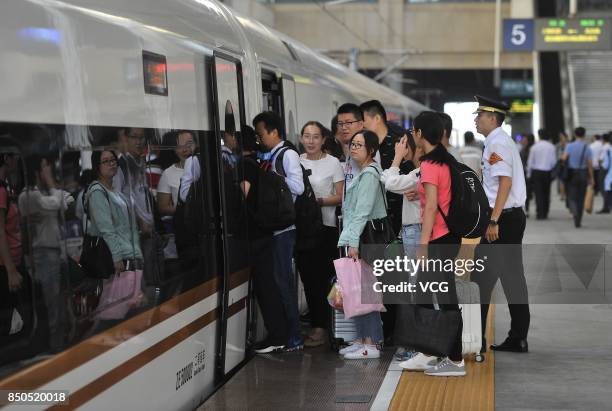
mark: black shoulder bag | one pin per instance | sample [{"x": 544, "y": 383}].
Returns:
[
  {"x": 378, "y": 231},
  {"x": 571, "y": 172},
  {"x": 96, "y": 258}
]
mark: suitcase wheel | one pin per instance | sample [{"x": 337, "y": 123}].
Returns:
[{"x": 479, "y": 358}]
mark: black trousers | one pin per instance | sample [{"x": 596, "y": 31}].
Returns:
[
  {"x": 316, "y": 267},
  {"x": 445, "y": 248},
  {"x": 504, "y": 261},
  {"x": 529, "y": 189},
  {"x": 541, "y": 186},
  {"x": 267, "y": 292},
  {"x": 576, "y": 191}
]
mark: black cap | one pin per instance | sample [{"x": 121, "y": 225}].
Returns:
[{"x": 490, "y": 106}]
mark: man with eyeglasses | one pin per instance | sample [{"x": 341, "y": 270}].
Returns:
[
  {"x": 375, "y": 119},
  {"x": 350, "y": 121},
  {"x": 130, "y": 180}
]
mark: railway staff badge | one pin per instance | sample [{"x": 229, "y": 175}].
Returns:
[{"x": 495, "y": 158}]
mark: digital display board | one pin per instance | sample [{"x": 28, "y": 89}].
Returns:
[
  {"x": 155, "y": 73},
  {"x": 558, "y": 34},
  {"x": 522, "y": 106}
]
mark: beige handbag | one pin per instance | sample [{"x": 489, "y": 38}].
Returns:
[{"x": 588, "y": 200}]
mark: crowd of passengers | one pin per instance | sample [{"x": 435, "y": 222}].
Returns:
[{"x": 348, "y": 166}]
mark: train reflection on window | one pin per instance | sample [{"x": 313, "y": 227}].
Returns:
[{"x": 48, "y": 301}]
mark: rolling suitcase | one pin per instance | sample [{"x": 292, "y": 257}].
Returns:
[
  {"x": 342, "y": 330},
  {"x": 468, "y": 295}
]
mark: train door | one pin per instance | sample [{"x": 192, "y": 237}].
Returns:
[
  {"x": 271, "y": 94},
  {"x": 290, "y": 109},
  {"x": 228, "y": 106},
  {"x": 279, "y": 95}
]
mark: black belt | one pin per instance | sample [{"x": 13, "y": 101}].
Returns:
[{"x": 510, "y": 210}]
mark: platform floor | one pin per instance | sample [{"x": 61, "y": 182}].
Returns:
[
  {"x": 567, "y": 368},
  {"x": 317, "y": 379}
]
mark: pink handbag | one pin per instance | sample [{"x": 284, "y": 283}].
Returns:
[
  {"x": 120, "y": 293},
  {"x": 352, "y": 276}
]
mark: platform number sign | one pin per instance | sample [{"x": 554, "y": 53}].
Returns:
[{"x": 518, "y": 35}]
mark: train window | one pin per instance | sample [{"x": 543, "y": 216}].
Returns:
[
  {"x": 48, "y": 174},
  {"x": 270, "y": 92},
  {"x": 155, "y": 73}
]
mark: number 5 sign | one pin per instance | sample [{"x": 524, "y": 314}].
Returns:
[{"x": 518, "y": 34}]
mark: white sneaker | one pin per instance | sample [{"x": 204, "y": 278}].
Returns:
[
  {"x": 353, "y": 346},
  {"x": 419, "y": 362},
  {"x": 366, "y": 351}
]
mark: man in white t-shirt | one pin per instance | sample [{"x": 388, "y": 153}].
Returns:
[
  {"x": 471, "y": 153},
  {"x": 170, "y": 181},
  {"x": 447, "y": 121},
  {"x": 596, "y": 148}
]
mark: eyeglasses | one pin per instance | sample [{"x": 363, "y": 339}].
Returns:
[
  {"x": 346, "y": 123},
  {"x": 186, "y": 145},
  {"x": 357, "y": 146},
  {"x": 311, "y": 136},
  {"x": 111, "y": 162}
]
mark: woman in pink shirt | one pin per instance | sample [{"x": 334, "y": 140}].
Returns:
[{"x": 437, "y": 242}]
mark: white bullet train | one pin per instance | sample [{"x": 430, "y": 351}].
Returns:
[{"x": 74, "y": 76}]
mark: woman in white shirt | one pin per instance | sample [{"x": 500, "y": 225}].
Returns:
[
  {"x": 401, "y": 184},
  {"x": 316, "y": 264},
  {"x": 170, "y": 181},
  {"x": 168, "y": 187},
  {"x": 406, "y": 185}
]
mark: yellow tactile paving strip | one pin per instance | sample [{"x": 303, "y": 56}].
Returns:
[{"x": 474, "y": 392}]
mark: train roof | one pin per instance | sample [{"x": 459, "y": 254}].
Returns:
[{"x": 67, "y": 45}]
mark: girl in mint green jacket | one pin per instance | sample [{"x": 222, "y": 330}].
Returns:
[
  {"x": 363, "y": 201},
  {"x": 110, "y": 215}
]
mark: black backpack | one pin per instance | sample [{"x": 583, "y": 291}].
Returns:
[
  {"x": 469, "y": 213},
  {"x": 308, "y": 217},
  {"x": 275, "y": 209}
]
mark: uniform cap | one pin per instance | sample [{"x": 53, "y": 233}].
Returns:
[{"x": 490, "y": 106}]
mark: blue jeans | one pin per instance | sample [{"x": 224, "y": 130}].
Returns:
[
  {"x": 47, "y": 272},
  {"x": 369, "y": 325},
  {"x": 285, "y": 279},
  {"x": 411, "y": 235}
]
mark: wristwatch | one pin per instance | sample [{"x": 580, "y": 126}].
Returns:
[{"x": 493, "y": 222}]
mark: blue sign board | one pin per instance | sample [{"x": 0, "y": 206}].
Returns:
[
  {"x": 518, "y": 34},
  {"x": 516, "y": 88}
]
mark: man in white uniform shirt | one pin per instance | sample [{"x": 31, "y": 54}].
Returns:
[
  {"x": 504, "y": 185},
  {"x": 542, "y": 159}
]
